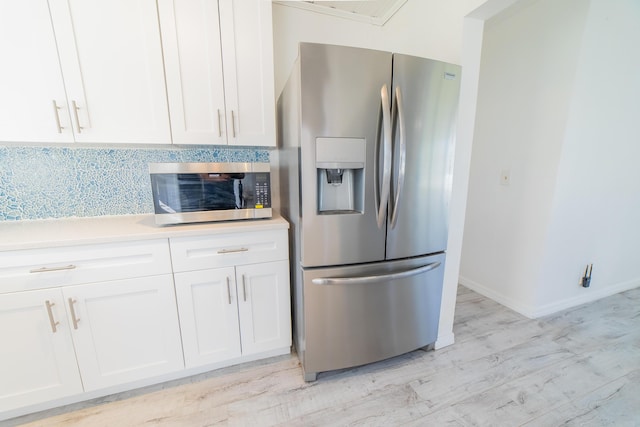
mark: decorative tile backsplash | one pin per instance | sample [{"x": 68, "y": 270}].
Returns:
[{"x": 56, "y": 182}]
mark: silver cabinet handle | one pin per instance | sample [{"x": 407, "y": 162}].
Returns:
[
  {"x": 75, "y": 113},
  {"x": 219, "y": 125},
  {"x": 375, "y": 279},
  {"x": 231, "y": 251},
  {"x": 244, "y": 288},
  {"x": 233, "y": 123},
  {"x": 57, "y": 116},
  {"x": 228, "y": 290},
  {"x": 387, "y": 153},
  {"x": 49, "y": 269},
  {"x": 52, "y": 321},
  {"x": 402, "y": 160},
  {"x": 75, "y": 319}
]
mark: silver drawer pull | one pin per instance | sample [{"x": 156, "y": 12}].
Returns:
[
  {"x": 56, "y": 114},
  {"x": 48, "y": 269},
  {"x": 75, "y": 113},
  {"x": 230, "y": 251},
  {"x": 52, "y": 321},
  {"x": 244, "y": 287},
  {"x": 74, "y": 318},
  {"x": 233, "y": 123}
]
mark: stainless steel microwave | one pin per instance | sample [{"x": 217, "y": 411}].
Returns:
[{"x": 201, "y": 192}]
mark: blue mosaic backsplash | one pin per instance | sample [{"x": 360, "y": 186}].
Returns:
[{"x": 57, "y": 182}]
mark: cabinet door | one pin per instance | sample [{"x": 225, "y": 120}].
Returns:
[
  {"x": 264, "y": 306},
  {"x": 193, "y": 63},
  {"x": 111, "y": 60},
  {"x": 37, "y": 361},
  {"x": 247, "y": 52},
  {"x": 124, "y": 330},
  {"x": 207, "y": 304},
  {"x": 30, "y": 77}
]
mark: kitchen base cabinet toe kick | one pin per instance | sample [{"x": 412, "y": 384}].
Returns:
[{"x": 85, "y": 321}]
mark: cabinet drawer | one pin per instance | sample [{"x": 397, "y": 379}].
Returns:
[
  {"x": 225, "y": 250},
  {"x": 50, "y": 267}
]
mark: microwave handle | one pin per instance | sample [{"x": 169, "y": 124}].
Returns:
[{"x": 238, "y": 193}]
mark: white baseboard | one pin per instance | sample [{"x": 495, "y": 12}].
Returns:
[
  {"x": 534, "y": 312},
  {"x": 590, "y": 296},
  {"x": 516, "y": 306}
]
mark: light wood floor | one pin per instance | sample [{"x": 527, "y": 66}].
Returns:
[{"x": 580, "y": 367}]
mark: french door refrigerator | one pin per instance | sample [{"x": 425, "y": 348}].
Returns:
[{"x": 366, "y": 144}]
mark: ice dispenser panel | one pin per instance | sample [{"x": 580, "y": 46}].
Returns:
[{"x": 340, "y": 175}]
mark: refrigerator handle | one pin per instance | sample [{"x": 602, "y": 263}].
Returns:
[
  {"x": 383, "y": 199},
  {"x": 375, "y": 279},
  {"x": 402, "y": 159}
]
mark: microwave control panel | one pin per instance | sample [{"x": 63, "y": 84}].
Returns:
[{"x": 263, "y": 191}]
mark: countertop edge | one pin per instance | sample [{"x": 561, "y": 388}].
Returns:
[{"x": 39, "y": 234}]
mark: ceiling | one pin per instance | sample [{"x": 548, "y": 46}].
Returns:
[{"x": 372, "y": 11}]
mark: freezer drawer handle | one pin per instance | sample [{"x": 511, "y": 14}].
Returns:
[
  {"x": 374, "y": 279},
  {"x": 48, "y": 269}
]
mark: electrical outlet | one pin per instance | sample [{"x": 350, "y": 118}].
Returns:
[
  {"x": 505, "y": 177},
  {"x": 585, "y": 280}
]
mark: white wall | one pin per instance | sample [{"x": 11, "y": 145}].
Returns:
[
  {"x": 527, "y": 69},
  {"x": 546, "y": 103},
  {"x": 596, "y": 207}
]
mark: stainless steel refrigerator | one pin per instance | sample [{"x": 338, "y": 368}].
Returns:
[{"x": 366, "y": 142}]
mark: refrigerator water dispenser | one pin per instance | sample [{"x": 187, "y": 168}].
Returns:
[{"x": 340, "y": 175}]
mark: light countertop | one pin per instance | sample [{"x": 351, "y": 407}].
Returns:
[{"x": 16, "y": 235}]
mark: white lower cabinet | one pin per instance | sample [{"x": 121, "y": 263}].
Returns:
[
  {"x": 207, "y": 305},
  {"x": 265, "y": 316},
  {"x": 78, "y": 319},
  {"x": 124, "y": 330},
  {"x": 87, "y": 320},
  {"x": 36, "y": 350},
  {"x": 226, "y": 313},
  {"x": 233, "y": 296}
]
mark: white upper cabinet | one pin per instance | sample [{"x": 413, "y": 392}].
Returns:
[
  {"x": 83, "y": 71},
  {"x": 219, "y": 69},
  {"x": 111, "y": 59},
  {"x": 30, "y": 79},
  {"x": 247, "y": 52}
]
